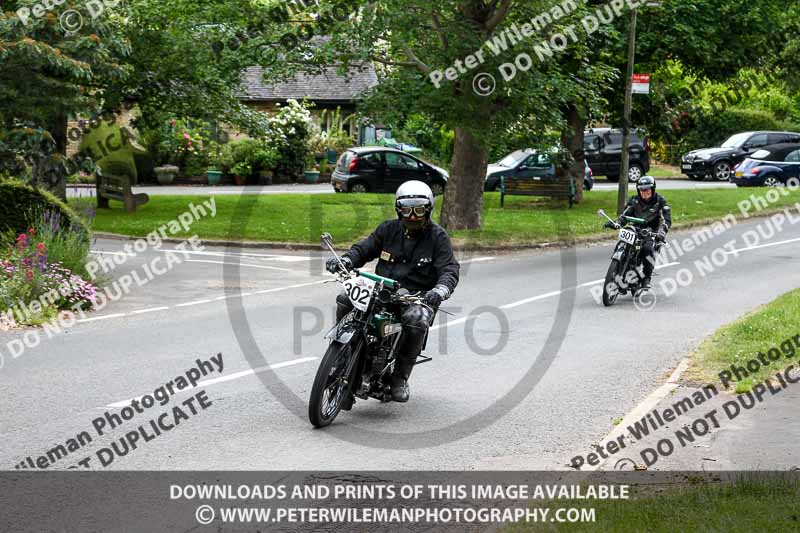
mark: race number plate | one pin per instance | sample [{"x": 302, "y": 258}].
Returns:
[
  {"x": 359, "y": 290},
  {"x": 626, "y": 235}
]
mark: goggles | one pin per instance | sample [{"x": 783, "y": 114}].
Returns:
[{"x": 419, "y": 211}]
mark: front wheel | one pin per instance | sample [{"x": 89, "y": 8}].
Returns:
[
  {"x": 437, "y": 188},
  {"x": 772, "y": 181},
  {"x": 331, "y": 385},
  {"x": 608, "y": 297},
  {"x": 722, "y": 171}
]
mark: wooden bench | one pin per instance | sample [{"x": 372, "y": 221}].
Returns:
[
  {"x": 110, "y": 187},
  {"x": 537, "y": 186}
]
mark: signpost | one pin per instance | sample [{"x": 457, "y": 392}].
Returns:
[{"x": 641, "y": 83}]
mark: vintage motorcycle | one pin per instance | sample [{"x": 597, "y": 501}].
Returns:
[
  {"x": 360, "y": 358},
  {"x": 625, "y": 272}
]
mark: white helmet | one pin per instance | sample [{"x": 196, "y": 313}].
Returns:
[{"x": 411, "y": 198}]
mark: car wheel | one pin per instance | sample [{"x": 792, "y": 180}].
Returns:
[
  {"x": 360, "y": 187},
  {"x": 634, "y": 173},
  {"x": 613, "y": 179},
  {"x": 772, "y": 181},
  {"x": 722, "y": 171},
  {"x": 437, "y": 188}
]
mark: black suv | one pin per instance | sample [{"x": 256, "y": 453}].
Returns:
[
  {"x": 603, "y": 150},
  {"x": 719, "y": 162}
]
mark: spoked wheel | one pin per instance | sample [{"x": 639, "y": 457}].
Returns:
[
  {"x": 331, "y": 385},
  {"x": 772, "y": 181},
  {"x": 608, "y": 297}
]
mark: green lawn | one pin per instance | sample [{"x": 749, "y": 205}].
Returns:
[
  {"x": 737, "y": 343},
  {"x": 753, "y": 503},
  {"x": 301, "y": 218}
]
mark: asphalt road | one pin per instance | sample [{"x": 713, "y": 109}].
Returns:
[
  {"x": 325, "y": 188},
  {"x": 594, "y": 363}
]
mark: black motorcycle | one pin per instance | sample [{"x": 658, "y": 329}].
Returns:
[
  {"x": 361, "y": 355},
  {"x": 625, "y": 273}
]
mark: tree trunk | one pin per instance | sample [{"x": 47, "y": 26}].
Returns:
[
  {"x": 49, "y": 171},
  {"x": 572, "y": 140},
  {"x": 463, "y": 197}
]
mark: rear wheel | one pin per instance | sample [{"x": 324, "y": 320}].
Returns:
[
  {"x": 610, "y": 296},
  {"x": 634, "y": 173},
  {"x": 331, "y": 385},
  {"x": 772, "y": 181},
  {"x": 359, "y": 187}
]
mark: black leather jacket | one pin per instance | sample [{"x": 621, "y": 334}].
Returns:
[
  {"x": 419, "y": 263},
  {"x": 656, "y": 212}
]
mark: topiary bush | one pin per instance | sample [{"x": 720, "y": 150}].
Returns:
[{"x": 20, "y": 205}]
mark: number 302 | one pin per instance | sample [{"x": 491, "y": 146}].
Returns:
[{"x": 359, "y": 294}]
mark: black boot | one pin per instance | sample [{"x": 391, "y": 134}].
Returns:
[
  {"x": 399, "y": 381},
  {"x": 645, "y": 286}
]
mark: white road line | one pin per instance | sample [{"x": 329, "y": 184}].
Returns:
[
  {"x": 151, "y": 310},
  {"x": 104, "y": 317},
  {"x": 646, "y": 405},
  {"x": 477, "y": 260},
  {"x": 529, "y": 300},
  {"x": 222, "y": 379},
  {"x": 101, "y": 252},
  {"x": 196, "y": 302},
  {"x": 736, "y": 251},
  {"x": 238, "y": 264},
  {"x": 284, "y": 258}
]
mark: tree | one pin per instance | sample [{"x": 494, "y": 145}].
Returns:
[
  {"x": 417, "y": 40},
  {"x": 46, "y": 75}
]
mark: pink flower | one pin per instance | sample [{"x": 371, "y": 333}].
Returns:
[{"x": 186, "y": 136}]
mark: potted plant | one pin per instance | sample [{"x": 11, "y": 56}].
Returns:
[
  {"x": 241, "y": 171},
  {"x": 166, "y": 174},
  {"x": 214, "y": 176},
  {"x": 264, "y": 161}
]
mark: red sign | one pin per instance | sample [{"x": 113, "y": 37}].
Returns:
[{"x": 641, "y": 83}]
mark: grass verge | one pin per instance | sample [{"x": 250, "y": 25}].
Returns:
[
  {"x": 737, "y": 343},
  {"x": 754, "y": 502},
  {"x": 299, "y": 218}
]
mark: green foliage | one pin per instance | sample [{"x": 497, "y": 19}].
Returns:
[
  {"x": 20, "y": 204},
  {"x": 246, "y": 156},
  {"x": 289, "y": 132},
  {"x": 435, "y": 139}
]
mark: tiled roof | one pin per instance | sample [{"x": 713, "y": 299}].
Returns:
[{"x": 327, "y": 86}]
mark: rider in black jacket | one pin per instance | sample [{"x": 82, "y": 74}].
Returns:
[
  {"x": 652, "y": 207},
  {"x": 416, "y": 252}
]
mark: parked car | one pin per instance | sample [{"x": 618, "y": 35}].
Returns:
[
  {"x": 528, "y": 163},
  {"x": 603, "y": 150},
  {"x": 771, "y": 166},
  {"x": 378, "y": 169},
  {"x": 718, "y": 162}
]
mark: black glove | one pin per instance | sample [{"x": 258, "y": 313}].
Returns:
[
  {"x": 332, "y": 264},
  {"x": 433, "y": 298},
  {"x": 661, "y": 236},
  {"x": 611, "y": 225}
]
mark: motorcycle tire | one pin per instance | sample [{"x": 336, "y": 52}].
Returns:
[
  {"x": 331, "y": 387},
  {"x": 608, "y": 298}
]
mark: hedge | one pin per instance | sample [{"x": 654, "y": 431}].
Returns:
[
  {"x": 19, "y": 203},
  {"x": 711, "y": 128}
]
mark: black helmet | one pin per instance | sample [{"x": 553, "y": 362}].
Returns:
[{"x": 646, "y": 183}]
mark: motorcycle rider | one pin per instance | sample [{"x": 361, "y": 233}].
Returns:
[
  {"x": 655, "y": 210},
  {"x": 417, "y": 252}
]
